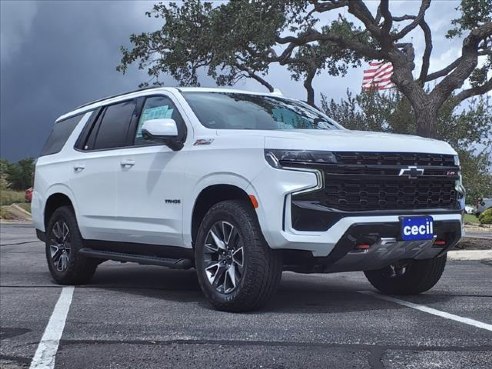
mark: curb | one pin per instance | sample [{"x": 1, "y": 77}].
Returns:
[
  {"x": 14, "y": 222},
  {"x": 470, "y": 255},
  {"x": 478, "y": 228},
  {"x": 18, "y": 208}
]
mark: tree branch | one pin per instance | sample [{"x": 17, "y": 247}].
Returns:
[
  {"x": 406, "y": 30},
  {"x": 467, "y": 63},
  {"x": 443, "y": 72},
  {"x": 474, "y": 91},
  {"x": 253, "y": 75},
  {"x": 388, "y": 19},
  {"x": 424, "y": 70},
  {"x": 482, "y": 32},
  {"x": 327, "y": 6},
  {"x": 428, "y": 44},
  {"x": 485, "y": 52},
  {"x": 340, "y": 41},
  {"x": 283, "y": 58},
  {"x": 359, "y": 10},
  {"x": 378, "y": 15}
]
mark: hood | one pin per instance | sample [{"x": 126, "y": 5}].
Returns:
[{"x": 360, "y": 141}]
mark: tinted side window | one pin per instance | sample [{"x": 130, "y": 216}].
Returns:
[
  {"x": 59, "y": 135},
  {"x": 156, "y": 107},
  {"x": 113, "y": 128}
]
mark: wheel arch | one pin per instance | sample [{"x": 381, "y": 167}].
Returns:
[
  {"x": 210, "y": 196},
  {"x": 53, "y": 202}
]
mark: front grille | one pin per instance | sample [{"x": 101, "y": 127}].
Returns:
[
  {"x": 388, "y": 194},
  {"x": 372, "y": 181},
  {"x": 396, "y": 159}
]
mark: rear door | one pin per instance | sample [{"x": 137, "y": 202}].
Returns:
[
  {"x": 95, "y": 169},
  {"x": 150, "y": 178}
]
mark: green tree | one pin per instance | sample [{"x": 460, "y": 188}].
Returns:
[
  {"x": 243, "y": 38},
  {"x": 4, "y": 183},
  {"x": 20, "y": 174},
  {"x": 477, "y": 178},
  {"x": 468, "y": 131}
]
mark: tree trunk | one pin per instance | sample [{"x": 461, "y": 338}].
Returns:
[
  {"x": 310, "y": 95},
  {"x": 426, "y": 120},
  {"x": 308, "y": 85}
]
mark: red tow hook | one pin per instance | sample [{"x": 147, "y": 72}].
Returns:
[
  {"x": 440, "y": 242},
  {"x": 362, "y": 246}
]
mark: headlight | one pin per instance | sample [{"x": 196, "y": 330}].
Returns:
[
  {"x": 284, "y": 158},
  {"x": 460, "y": 188},
  {"x": 459, "y": 182}
]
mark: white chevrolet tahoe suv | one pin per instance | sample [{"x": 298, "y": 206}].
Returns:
[{"x": 242, "y": 186}]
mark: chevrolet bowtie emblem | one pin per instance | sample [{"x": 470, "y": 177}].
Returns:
[{"x": 411, "y": 172}]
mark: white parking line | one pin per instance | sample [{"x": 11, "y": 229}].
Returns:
[
  {"x": 44, "y": 358},
  {"x": 432, "y": 311}
]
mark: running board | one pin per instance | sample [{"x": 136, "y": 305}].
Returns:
[{"x": 140, "y": 259}]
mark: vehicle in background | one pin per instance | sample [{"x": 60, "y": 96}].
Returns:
[
  {"x": 470, "y": 209},
  {"x": 483, "y": 204},
  {"x": 28, "y": 195}
]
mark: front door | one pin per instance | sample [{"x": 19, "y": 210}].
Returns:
[{"x": 149, "y": 197}]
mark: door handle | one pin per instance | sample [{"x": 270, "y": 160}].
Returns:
[
  {"x": 78, "y": 167},
  {"x": 127, "y": 163}
]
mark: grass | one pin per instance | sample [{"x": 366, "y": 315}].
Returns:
[
  {"x": 471, "y": 219},
  {"x": 9, "y": 197},
  {"x": 4, "y": 213},
  {"x": 9, "y": 212}
]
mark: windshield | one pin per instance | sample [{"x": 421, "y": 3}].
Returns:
[{"x": 223, "y": 110}]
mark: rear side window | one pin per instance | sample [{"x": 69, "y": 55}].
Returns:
[
  {"x": 113, "y": 126},
  {"x": 60, "y": 134}
]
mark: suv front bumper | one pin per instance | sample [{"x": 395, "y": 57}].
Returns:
[
  {"x": 274, "y": 189},
  {"x": 322, "y": 244},
  {"x": 382, "y": 247}
]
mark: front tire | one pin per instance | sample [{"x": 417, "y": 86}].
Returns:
[
  {"x": 63, "y": 242},
  {"x": 412, "y": 278},
  {"x": 237, "y": 270}
]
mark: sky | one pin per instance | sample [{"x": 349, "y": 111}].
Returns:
[{"x": 56, "y": 55}]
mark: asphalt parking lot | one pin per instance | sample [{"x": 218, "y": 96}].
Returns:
[{"x": 134, "y": 316}]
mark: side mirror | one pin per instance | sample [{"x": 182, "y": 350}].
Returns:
[
  {"x": 164, "y": 130},
  {"x": 159, "y": 129}
]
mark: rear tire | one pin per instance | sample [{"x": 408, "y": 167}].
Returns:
[
  {"x": 237, "y": 270},
  {"x": 63, "y": 242},
  {"x": 418, "y": 276}
]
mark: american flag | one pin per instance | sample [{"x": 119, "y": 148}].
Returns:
[{"x": 378, "y": 76}]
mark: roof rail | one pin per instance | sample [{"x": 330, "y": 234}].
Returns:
[{"x": 117, "y": 95}]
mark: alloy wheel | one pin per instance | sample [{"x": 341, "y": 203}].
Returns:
[
  {"x": 224, "y": 257},
  {"x": 60, "y": 245}
]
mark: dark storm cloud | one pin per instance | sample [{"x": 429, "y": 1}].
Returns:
[
  {"x": 57, "y": 55},
  {"x": 65, "y": 55}
]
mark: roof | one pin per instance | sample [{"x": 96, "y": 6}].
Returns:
[
  {"x": 227, "y": 90},
  {"x": 117, "y": 95},
  {"x": 136, "y": 93}
]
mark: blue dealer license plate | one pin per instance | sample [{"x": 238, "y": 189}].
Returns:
[{"x": 416, "y": 228}]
